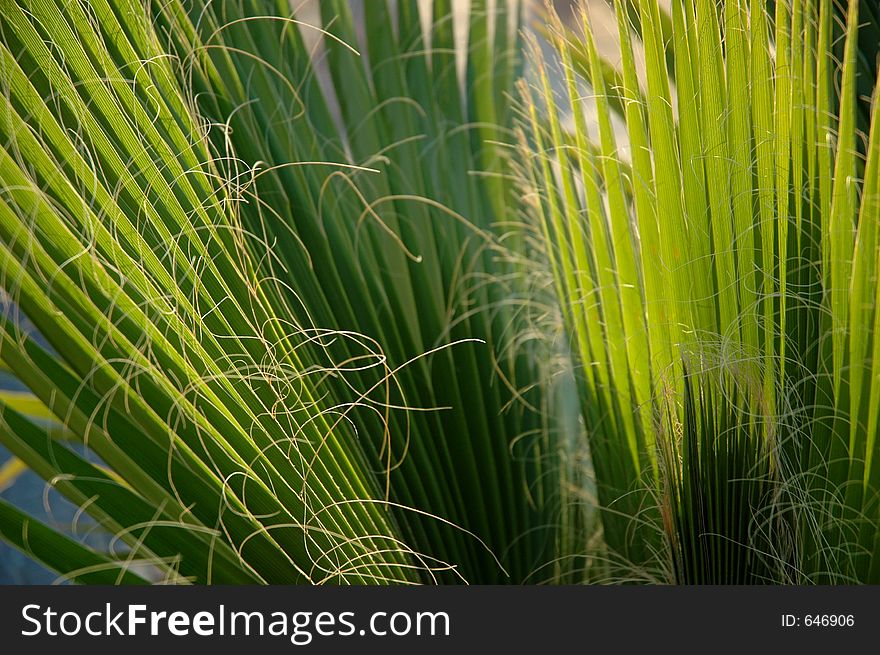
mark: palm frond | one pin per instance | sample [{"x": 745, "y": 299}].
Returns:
[
  {"x": 267, "y": 272},
  {"x": 744, "y": 244}
]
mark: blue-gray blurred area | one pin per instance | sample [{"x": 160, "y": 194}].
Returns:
[
  {"x": 33, "y": 495},
  {"x": 27, "y": 493}
]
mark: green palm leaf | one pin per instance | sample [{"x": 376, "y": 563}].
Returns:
[
  {"x": 272, "y": 289},
  {"x": 743, "y": 249}
]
